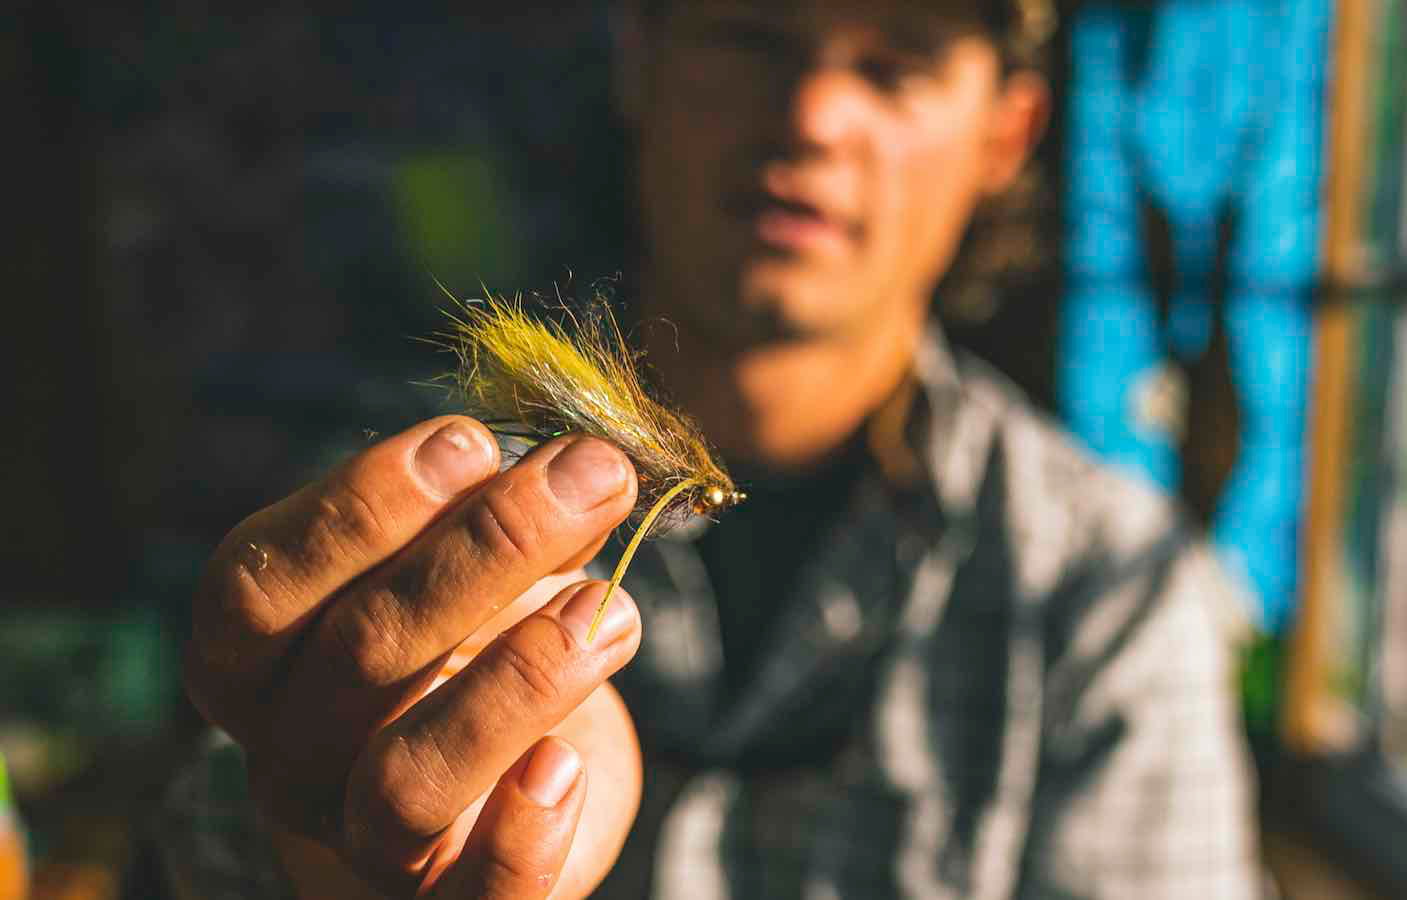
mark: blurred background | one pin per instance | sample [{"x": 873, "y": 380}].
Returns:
[{"x": 220, "y": 245}]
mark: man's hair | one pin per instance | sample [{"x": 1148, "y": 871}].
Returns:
[{"x": 1020, "y": 29}]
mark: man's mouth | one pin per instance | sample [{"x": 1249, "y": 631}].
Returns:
[{"x": 795, "y": 225}]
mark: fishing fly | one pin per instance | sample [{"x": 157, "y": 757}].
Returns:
[{"x": 535, "y": 379}]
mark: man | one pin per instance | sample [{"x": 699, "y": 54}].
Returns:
[{"x": 938, "y": 653}]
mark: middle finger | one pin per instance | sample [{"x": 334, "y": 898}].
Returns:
[
  {"x": 380, "y": 644},
  {"x": 414, "y": 780}
]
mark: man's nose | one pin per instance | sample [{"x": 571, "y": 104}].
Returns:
[{"x": 826, "y": 106}]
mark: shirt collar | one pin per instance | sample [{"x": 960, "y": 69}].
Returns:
[{"x": 952, "y": 428}]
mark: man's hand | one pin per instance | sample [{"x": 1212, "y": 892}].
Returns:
[{"x": 323, "y": 621}]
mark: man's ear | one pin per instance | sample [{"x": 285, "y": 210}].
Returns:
[
  {"x": 1022, "y": 114},
  {"x": 627, "y": 60}
]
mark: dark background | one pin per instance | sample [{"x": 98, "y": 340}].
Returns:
[{"x": 222, "y": 237}]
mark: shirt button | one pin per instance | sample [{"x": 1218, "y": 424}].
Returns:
[{"x": 841, "y": 614}]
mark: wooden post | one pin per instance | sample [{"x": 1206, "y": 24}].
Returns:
[{"x": 1314, "y": 720}]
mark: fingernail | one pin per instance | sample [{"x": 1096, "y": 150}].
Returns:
[
  {"x": 550, "y": 773},
  {"x": 586, "y": 474},
  {"x": 580, "y": 610},
  {"x": 452, "y": 459}
]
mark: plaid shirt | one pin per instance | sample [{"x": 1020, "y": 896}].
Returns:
[{"x": 1013, "y": 681}]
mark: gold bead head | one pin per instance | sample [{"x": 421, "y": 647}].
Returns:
[{"x": 717, "y": 498}]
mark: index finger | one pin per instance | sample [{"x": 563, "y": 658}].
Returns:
[{"x": 273, "y": 572}]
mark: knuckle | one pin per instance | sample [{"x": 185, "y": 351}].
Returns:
[
  {"x": 350, "y": 522},
  {"x": 503, "y": 527},
  {"x": 250, "y": 607},
  {"x": 233, "y": 606},
  {"x": 400, "y": 791},
  {"x": 532, "y": 672},
  {"x": 367, "y": 642}
]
